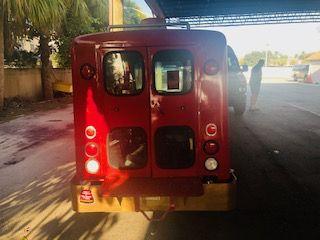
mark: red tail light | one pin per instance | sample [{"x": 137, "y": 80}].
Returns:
[
  {"x": 211, "y": 67},
  {"x": 87, "y": 71},
  {"x": 90, "y": 132},
  {"x": 211, "y": 129},
  {"x": 91, "y": 149},
  {"x": 210, "y": 147}
]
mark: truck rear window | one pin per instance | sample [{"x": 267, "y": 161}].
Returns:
[
  {"x": 173, "y": 71},
  {"x": 175, "y": 147},
  {"x": 123, "y": 73},
  {"x": 127, "y": 148}
]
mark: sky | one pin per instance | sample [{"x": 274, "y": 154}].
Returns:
[
  {"x": 289, "y": 39},
  {"x": 144, "y": 7}
]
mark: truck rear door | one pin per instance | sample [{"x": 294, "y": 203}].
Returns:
[
  {"x": 127, "y": 112},
  {"x": 173, "y": 102}
]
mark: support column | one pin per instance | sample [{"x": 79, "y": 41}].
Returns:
[{"x": 116, "y": 12}]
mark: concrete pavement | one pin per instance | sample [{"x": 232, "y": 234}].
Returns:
[{"x": 36, "y": 165}]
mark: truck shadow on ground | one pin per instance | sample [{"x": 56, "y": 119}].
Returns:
[
  {"x": 42, "y": 210},
  {"x": 274, "y": 200}
]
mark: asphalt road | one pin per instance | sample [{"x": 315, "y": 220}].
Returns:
[{"x": 275, "y": 152}]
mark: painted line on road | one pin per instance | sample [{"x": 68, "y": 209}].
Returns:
[{"x": 304, "y": 109}]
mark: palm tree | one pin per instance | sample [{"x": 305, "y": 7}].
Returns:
[{"x": 44, "y": 17}]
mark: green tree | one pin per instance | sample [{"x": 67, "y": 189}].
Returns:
[
  {"x": 50, "y": 20},
  {"x": 274, "y": 58},
  {"x": 293, "y": 61},
  {"x": 43, "y": 18},
  {"x": 132, "y": 13},
  {"x": 252, "y": 58},
  {"x": 73, "y": 26},
  {"x": 277, "y": 59},
  {"x": 302, "y": 57}
]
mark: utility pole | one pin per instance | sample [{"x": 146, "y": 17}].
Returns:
[
  {"x": 116, "y": 13},
  {"x": 266, "y": 60}
]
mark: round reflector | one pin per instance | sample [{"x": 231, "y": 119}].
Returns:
[
  {"x": 90, "y": 132},
  {"x": 211, "y": 164},
  {"x": 92, "y": 166},
  {"x": 211, "y": 67},
  {"x": 91, "y": 149},
  {"x": 211, "y": 129},
  {"x": 211, "y": 147},
  {"x": 87, "y": 71}
]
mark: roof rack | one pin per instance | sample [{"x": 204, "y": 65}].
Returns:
[{"x": 185, "y": 24}]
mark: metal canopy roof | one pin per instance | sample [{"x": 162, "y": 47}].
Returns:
[{"x": 236, "y": 12}]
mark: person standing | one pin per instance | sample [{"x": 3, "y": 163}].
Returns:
[{"x": 255, "y": 84}]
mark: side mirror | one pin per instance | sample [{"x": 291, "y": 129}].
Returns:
[{"x": 244, "y": 68}]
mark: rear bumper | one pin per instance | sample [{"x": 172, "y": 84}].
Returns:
[{"x": 216, "y": 197}]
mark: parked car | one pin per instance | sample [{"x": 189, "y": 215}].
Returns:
[
  {"x": 300, "y": 72},
  {"x": 237, "y": 83}
]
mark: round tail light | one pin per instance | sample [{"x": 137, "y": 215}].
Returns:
[
  {"x": 211, "y": 129},
  {"x": 92, "y": 166},
  {"x": 211, "y": 67},
  {"x": 90, "y": 132},
  {"x": 210, "y": 147},
  {"x": 91, "y": 149},
  {"x": 211, "y": 164},
  {"x": 87, "y": 71}
]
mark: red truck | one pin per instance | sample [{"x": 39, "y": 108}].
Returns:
[{"x": 151, "y": 122}]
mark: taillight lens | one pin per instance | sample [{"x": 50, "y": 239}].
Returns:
[
  {"x": 87, "y": 71},
  {"x": 211, "y": 129},
  {"x": 91, "y": 149},
  {"x": 92, "y": 166},
  {"x": 211, "y": 164},
  {"x": 211, "y": 147},
  {"x": 90, "y": 132},
  {"x": 211, "y": 67}
]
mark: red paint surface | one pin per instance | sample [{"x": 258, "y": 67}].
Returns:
[
  {"x": 91, "y": 149},
  {"x": 211, "y": 147}
]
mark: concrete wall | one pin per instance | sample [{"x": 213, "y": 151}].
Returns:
[
  {"x": 61, "y": 75},
  {"x": 26, "y": 83}
]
